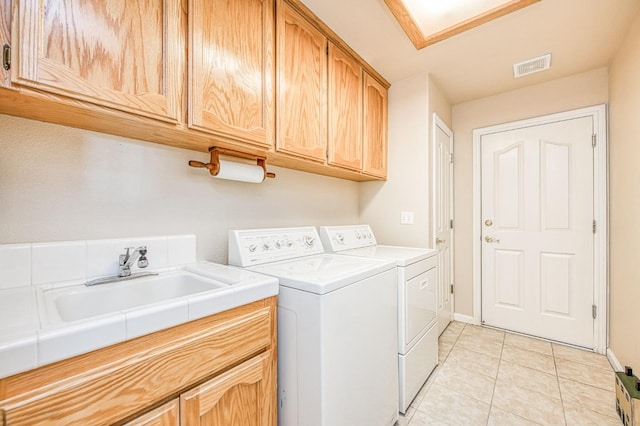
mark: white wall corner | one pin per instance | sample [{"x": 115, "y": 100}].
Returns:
[
  {"x": 464, "y": 318},
  {"x": 613, "y": 360}
]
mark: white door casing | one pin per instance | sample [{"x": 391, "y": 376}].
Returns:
[
  {"x": 542, "y": 184},
  {"x": 442, "y": 155}
]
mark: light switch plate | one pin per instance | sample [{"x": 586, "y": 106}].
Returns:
[{"x": 406, "y": 218}]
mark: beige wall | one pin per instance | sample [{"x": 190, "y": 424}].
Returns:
[
  {"x": 577, "y": 91},
  {"x": 59, "y": 183},
  {"x": 408, "y": 187},
  {"x": 624, "y": 200}
]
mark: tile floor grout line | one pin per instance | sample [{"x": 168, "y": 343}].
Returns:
[
  {"x": 555, "y": 365},
  {"x": 495, "y": 383}
]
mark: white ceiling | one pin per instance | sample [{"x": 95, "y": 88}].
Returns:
[{"x": 581, "y": 34}]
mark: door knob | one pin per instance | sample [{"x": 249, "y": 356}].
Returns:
[
  {"x": 491, "y": 239},
  {"x": 439, "y": 241},
  {"x": 488, "y": 222}
]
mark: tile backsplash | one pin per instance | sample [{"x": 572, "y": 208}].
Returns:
[{"x": 24, "y": 265}]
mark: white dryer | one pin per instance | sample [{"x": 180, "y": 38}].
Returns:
[
  {"x": 416, "y": 297},
  {"x": 337, "y": 328}
]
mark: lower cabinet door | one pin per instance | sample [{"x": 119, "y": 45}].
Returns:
[
  {"x": 165, "y": 415},
  {"x": 242, "y": 396}
]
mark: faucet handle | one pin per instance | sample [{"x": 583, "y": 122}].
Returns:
[{"x": 143, "y": 262}]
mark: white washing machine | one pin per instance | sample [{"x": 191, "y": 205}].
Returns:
[
  {"x": 337, "y": 328},
  {"x": 416, "y": 298}
]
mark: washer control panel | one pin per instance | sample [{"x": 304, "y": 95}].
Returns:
[
  {"x": 338, "y": 238},
  {"x": 250, "y": 247}
]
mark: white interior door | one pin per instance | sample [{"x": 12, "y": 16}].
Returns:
[
  {"x": 537, "y": 214},
  {"x": 443, "y": 217}
]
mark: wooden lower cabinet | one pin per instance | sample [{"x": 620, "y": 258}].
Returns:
[
  {"x": 239, "y": 397},
  {"x": 218, "y": 370},
  {"x": 166, "y": 415}
]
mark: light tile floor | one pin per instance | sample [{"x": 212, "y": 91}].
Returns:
[{"x": 489, "y": 377}]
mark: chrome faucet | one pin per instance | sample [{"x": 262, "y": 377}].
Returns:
[
  {"x": 124, "y": 267},
  {"x": 127, "y": 259}
]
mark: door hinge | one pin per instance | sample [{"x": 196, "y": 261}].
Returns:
[
  {"x": 450, "y": 223},
  {"x": 327, "y": 50},
  {"x": 594, "y": 311},
  {"x": 451, "y": 288},
  {"x": 451, "y": 157},
  {"x": 593, "y": 140},
  {"x": 6, "y": 57},
  {"x": 594, "y": 227}
]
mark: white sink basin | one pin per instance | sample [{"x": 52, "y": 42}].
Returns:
[{"x": 81, "y": 302}]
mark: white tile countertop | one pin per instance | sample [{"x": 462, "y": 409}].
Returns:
[{"x": 30, "y": 339}]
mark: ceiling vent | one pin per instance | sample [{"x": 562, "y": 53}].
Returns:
[{"x": 531, "y": 66}]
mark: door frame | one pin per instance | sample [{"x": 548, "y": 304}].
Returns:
[
  {"x": 600, "y": 180},
  {"x": 437, "y": 122}
]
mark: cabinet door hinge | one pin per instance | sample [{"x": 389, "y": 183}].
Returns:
[
  {"x": 451, "y": 288},
  {"x": 594, "y": 311},
  {"x": 450, "y": 223},
  {"x": 451, "y": 157},
  {"x": 6, "y": 57},
  {"x": 594, "y": 227},
  {"x": 327, "y": 50},
  {"x": 593, "y": 140}
]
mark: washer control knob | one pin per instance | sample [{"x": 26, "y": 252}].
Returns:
[
  {"x": 252, "y": 248},
  {"x": 289, "y": 243},
  {"x": 265, "y": 246},
  {"x": 340, "y": 238},
  {"x": 277, "y": 244},
  {"x": 309, "y": 241}
]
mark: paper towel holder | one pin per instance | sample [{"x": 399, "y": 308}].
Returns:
[{"x": 214, "y": 163}]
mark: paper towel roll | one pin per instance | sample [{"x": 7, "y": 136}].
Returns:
[{"x": 242, "y": 172}]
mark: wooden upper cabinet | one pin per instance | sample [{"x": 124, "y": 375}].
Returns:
[
  {"x": 239, "y": 397},
  {"x": 375, "y": 128},
  {"x": 5, "y": 39},
  {"x": 123, "y": 54},
  {"x": 231, "y": 67},
  {"x": 302, "y": 86},
  {"x": 345, "y": 109}
]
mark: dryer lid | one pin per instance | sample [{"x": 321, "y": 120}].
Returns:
[{"x": 403, "y": 256}]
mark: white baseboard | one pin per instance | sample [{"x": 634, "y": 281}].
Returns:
[
  {"x": 613, "y": 360},
  {"x": 463, "y": 318}
]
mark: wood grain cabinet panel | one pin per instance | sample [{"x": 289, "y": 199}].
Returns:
[
  {"x": 165, "y": 415},
  {"x": 302, "y": 86},
  {"x": 239, "y": 397},
  {"x": 234, "y": 349},
  {"x": 375, "y": 128},
  {"x": 231, "y": 67},
  {"x": 5, "y": 38},
  {"x": 345, "y": 109},
  {"x": 123, "y": 54}
]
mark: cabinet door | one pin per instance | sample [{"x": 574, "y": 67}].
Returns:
[
  {"x": 231, "y": 65},
  {"x": 302, "y": 81},
  {"x": 165, "y": 415},
  {"x": 345, "y": 109},
  {"x": 123, "y": 54},
  {"x": 375, "y": 128},
  {"x": 243, "y": 396},
  {"x": 5, "y": 39}
]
